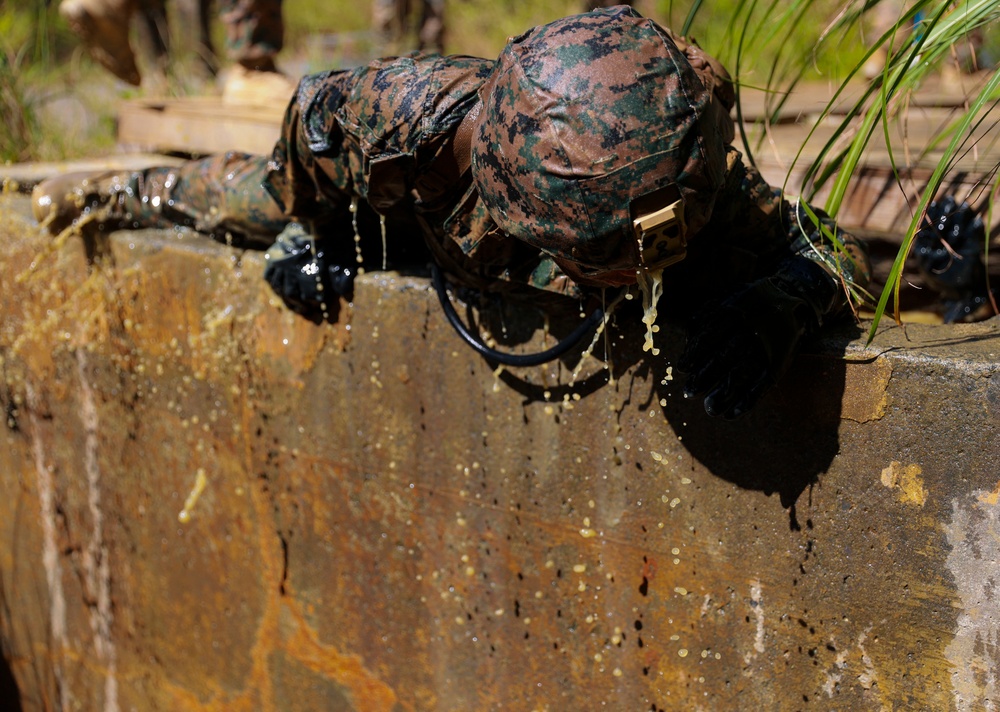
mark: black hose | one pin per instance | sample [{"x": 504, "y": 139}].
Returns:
[{"x": 508, "y": 359}]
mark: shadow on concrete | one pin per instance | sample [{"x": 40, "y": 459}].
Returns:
[
  {"x": 784, "y": 444},
  {"x": 781, "y": 447}
]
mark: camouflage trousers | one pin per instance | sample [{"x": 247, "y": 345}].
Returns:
[
  {"x": 391, "y": 20},
  {"x": 254, "y": 30},
  {"x": 220, "y": 196}
]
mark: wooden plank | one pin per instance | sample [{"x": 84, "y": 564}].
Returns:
[
  {"x": 199, "y": 125},
  {"x": 811, "y": 98},
  {"x": 892, "y": 175}
]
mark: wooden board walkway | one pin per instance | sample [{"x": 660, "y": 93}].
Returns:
[
  {"x": 899, "y": 160},
  {"x": 198, "y": 125}
]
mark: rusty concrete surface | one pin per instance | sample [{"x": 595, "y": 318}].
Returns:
[{"x": 212, "y": 504}]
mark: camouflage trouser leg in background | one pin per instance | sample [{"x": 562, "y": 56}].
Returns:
[
  {"x": 390, "y": 19},
  {"x": 220, "y": 196},
  {"x": 154, "y": 31},
  {"x": 432, "y": 26},
  {"x": 254, "y": 31}
]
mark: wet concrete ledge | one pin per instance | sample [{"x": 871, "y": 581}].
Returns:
[{"x": 375, "y": 520}]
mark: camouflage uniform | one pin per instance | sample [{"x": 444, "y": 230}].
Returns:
[
  {"x": 385, "y": 133},
  {"x": 539, "y": 171}
]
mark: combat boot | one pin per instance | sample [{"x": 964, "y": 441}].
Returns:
[
  {"x": 103, "y": 26},
  {"x": 110, "y": 200}
]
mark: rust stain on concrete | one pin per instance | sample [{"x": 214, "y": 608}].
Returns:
[
  {"x": 866, "y": 390},
  {"x": 366, "y": 690},
  {"x": 991, "y": 498},
  {"x": 907, "y": 480}
]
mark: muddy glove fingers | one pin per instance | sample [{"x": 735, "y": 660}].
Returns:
[
  {"x": 735, "y": 356},
  {"x": 287, "y": 285},
  {"x": 706, "y": 357},
  {"x": 948, "y": 249},
  {"x": 740, "y": 389},
  {"x": 298, "y": 272},
  {"x": 286, "y": 259},
  {"x": 745, "y": 344},
  {"x": 948, "y": 246}
]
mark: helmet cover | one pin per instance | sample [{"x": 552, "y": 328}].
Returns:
[{"x": 585, "y": 115}]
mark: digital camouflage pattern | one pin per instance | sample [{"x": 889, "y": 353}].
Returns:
[
  {"x": 386, "y": 133},
  {"x": 219, "y": 196},
  {"x": 583, "y": 116}
]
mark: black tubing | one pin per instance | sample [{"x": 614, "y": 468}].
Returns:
[{"x": 508, "y": 359}]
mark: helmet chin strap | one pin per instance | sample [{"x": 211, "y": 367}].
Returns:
[{"x": 509, "y": 359}]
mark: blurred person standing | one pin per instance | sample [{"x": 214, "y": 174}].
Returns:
[
  {"x": 254, "y": 31},
  {"x": 391, "y": 20}
]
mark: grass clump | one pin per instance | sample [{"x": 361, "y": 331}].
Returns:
[
  {"x": 42, "y": 115},
  {"x": 19, "y": 126}
]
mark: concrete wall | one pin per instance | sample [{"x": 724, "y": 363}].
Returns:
[{"x": 387, "y": 524}]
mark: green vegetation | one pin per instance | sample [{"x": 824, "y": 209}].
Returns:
[
  {"x": 42, "y": 115},
  {"x": 938, "y": 29},
  {"x": 924, "y": 37},
  {"x": 19, "y": 127}
]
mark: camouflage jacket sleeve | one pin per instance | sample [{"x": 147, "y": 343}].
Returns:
[
  {"x": 371, "y": 133},
  {"x": 763, "y": 220},
  {"x": 382, "y": 133}
]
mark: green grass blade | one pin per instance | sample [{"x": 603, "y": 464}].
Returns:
[{"x": 692, "y": 13}]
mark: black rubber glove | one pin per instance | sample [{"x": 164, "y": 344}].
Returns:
[
  {"x": 739, "y": 348},
  {"x": 299, "y": 273},
  {"x": 948, "y": 249}
]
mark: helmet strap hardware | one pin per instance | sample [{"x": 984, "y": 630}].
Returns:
[{"x": 658, "y": 222}]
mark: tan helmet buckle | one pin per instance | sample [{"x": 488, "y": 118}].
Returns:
[{"x": 658, "y": 222}]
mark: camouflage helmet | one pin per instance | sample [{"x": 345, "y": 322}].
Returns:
[{"x": 589, "y": 123}]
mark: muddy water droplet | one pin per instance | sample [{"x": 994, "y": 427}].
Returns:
[
  {"x": 384, "y": 251},
  {"x": 184, "y": 516},
  {"x": 651, "y": 286},
  {"x": 357, "y": 236}
]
